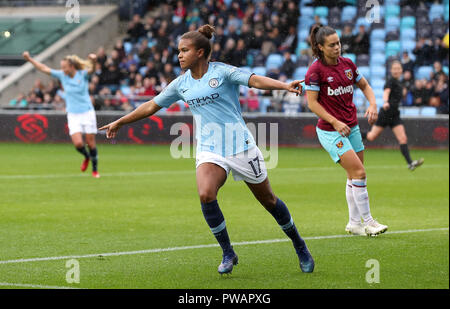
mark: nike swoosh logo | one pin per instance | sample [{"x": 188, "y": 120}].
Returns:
[{"x": 183, "y": 91}]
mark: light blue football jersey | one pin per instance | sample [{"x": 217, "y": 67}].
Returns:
[
  {"x": 76, "y": 91},
  {"x": 214, "y": 103}
]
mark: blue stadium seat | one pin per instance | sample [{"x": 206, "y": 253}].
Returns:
[
  {"x": 407, "y": 22},
  {"x": 377, "y": 59},
  {"x": 142, "y": 70},
  {"x": 377, "y": 83},
  {"x": 362, "y": 21},
  {"x": 428, "y": 111},
  {"x": 228, "y": 3},
  {"x": 377, "y": 71},
  {"x": 392, "y": 2},
  {"x": 393, "y": 24},
  {"x": 377, "y": 46},
  {"x": 301, "y": 46},
  {"x": 364, "y": 71},
  {"x": 259, "y": 71},
  {"x": 436, "y": 11},
  {"x": 348, "y": 13},
  {"x": 359, "y": 99},
  {"x": 392, "y": 48},
  {"x": 408, "y": 34},
  {"x": 306, "y": 22},
  {"x": 300, "y": 72},
  {"x": 377, "y": 34},
  {"x": 362, "y": 60},
  {"x": 321, "y": 11},
  {"x": 392, "y": 10},
  {"x": 410, "y": 111},
  {"x": 408, "y": 45},
  {"x": 127, "y": 46},
  {"x": 378, "y": 96},
  {"x": 126, "y": 90},
  {"x": 424, "y": 72},
  {"x": 352, "y": 57},
  {"x": 274, "y": 61},
  {"x": 307, "y": 11},
  {"x": 303, "y": 34}
]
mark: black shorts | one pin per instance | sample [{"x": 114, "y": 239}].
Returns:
[{"x": 388, "y": 118}]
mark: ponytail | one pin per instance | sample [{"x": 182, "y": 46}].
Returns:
[{"x": 317, "y": 36}]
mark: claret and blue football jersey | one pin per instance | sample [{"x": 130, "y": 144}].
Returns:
[{"x": 214, "y": 103}]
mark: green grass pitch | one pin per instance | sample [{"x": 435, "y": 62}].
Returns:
[{"x": 51, "y": 213}]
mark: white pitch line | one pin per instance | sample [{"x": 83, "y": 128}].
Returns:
[
  {"x": 192, "y": 171},
  {"x": 35, "y": 286},
  {"x": 243, "y": 243}
]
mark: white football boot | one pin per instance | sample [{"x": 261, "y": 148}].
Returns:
[
  {"x": 355, "y": 229},
  {"x": 374, "y": 228}
]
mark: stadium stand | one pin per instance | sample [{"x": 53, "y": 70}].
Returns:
[{"x": 144, "y": 60}]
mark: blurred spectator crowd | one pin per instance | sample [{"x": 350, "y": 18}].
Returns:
[{"x": 250, "y": 34}]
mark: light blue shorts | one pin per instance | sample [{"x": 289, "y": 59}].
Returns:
[{"x": 336, "y": 145}]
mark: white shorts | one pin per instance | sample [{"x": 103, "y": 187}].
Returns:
[
  {"x": 82, "y": 123},
  {"x": 248, "y": 165}
]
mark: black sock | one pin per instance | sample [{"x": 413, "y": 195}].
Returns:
[
  {"x": 364, "y": 135},
  {"x": 214, "y": 217},
  {"x": 405, "y": 152},
  {"x": 284, "y": 219},
  {"x": 94, "y": 158},
  {"x": 83, "y": 151}
]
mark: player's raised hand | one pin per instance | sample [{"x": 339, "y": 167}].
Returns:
[
  {"x": 26, "y": 55},
  {"x": 111, "y": 129},
  {"x": 371, "y": 114},
  {"x": 296, "y": 87}
]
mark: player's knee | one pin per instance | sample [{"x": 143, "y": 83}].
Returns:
[
  {"x": 78, "y": 145},
  {"x": 359, "y": 174},
  {"x": 207, "y": 196},
  {"x": 269, "y": 200},
  {"x": 403, "y": 140}
]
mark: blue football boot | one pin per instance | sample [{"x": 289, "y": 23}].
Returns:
[
  {"x": 306, "y": 260},
  {"x": 228, "y": 261}
]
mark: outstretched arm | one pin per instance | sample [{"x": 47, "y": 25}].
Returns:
[
  {"x": 143, "y": 111},
  {"x": 267, "y": 83},
  {"x": 371, "y": 113},
  {"x": 40, "y": 66}
]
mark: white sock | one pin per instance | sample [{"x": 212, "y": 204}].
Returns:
[
  {"x": 361, "y": 196},
  {"x": 353, "y": 213}
]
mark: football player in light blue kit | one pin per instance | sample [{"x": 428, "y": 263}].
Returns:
[
  {"x": 80, "y": 111},
  {"x": 224, "y": 142}
]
